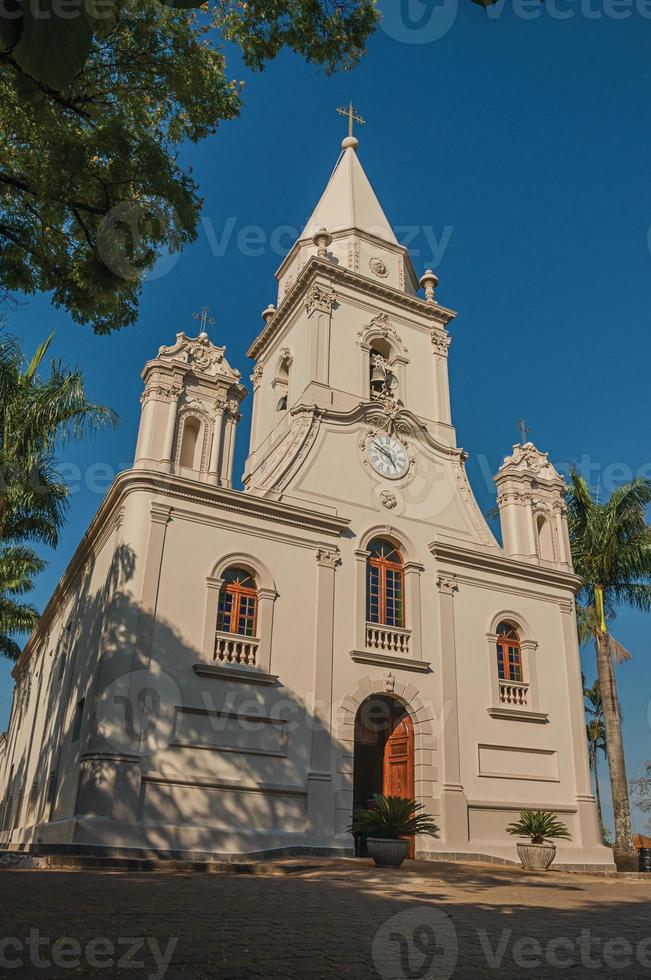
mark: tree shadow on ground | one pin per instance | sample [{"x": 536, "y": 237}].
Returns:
[{"x": 369, "y": 924}]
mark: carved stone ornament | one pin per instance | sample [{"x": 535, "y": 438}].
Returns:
[
  {"x": 328, "y": 557},
  {"x": 256, "y": 376},
  {"x": 286, "y": 356},
  {"x": 441, "y": 342},
  {"x": 513, "y": 497},
  {"x": 527, "y": 457},
  {"x": 389, "y": 682},
  {"x": 157, "y": 391},
  {"x": 446, "y": 583},
  {"x": 353, "y": 256},
  {"x": 387, "y": 415},
  {"x": 388, "y": 499},
  {"x": 199, "y": 353},
  {"x": 378, "y": 267},
  {"x": 319, "y": 298},
  {"x": 380, "y": 326}
]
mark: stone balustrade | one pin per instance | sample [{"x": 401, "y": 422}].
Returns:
[{"x": 230, "y": 648}]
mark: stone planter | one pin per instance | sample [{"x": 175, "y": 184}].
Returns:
[
  {"x": 387, "y": 853},
  {"x": 536, "y": 857}
]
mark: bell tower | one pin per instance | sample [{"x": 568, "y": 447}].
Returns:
[
  {"x": 351, "y": 336},
  {"x": 190, "y": 411},
  {"x": 531, "y": 501}
]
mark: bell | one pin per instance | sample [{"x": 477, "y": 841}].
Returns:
[{"x": 378, "y": 374}]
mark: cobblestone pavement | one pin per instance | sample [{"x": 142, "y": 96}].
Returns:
[{"x": 334, "y": 919}]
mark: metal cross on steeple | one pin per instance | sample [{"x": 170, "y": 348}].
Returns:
[
  {"x": 521, "y": 426},
  {"x": 352, "y": 115},
  {"x": 204, "y": 317}
]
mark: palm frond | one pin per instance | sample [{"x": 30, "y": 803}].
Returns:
[
  {"x": 9, "y": 648},
  {"x": 35, "y": 362}
]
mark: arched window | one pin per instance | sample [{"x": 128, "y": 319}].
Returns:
[
  {"x": 383, "y": 382},
  {"x": 545, "y": 543},
  {"x": 191, "y": 428},
  {"x": 509, "y": 653},
  {"x": 238, "y": 603},
  {"x": 385, "y": 588},
  {"x": 281, "y": 381}
]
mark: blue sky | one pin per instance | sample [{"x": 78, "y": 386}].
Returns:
[{"x": 514, "y": 147}]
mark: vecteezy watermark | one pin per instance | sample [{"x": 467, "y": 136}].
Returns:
[
  {"x": 418, "y": 21},
  {"x": 421, "y": 944},
  {"x": 128, "y": 233},
  {"x": 253, "y": 241},
  {"x": 99, "y": 953},
  {"x": 426, "y": 21},
  {"x": 136, "y": 712},
  {"x": 132, "y": 228},
  {"x": 417, "y": 944},
  {"x": 586, "y": 949}
]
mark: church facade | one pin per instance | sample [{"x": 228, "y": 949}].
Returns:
[{"x": 227, "y": 671}]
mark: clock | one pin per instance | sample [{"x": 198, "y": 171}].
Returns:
[{"x": 387, "y": 456}]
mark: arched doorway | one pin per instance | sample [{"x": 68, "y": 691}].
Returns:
[{"x": 384, "y": 753}]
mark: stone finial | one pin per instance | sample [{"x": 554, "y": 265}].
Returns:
[
  {"x": 268, "y": 312},
  {"x": 429, "y": 281},
  {"x": 322, "y": 238}
]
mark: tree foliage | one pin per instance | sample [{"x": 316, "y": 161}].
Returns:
[
  {"x": 91, "y": 188},
  {"x": 37, "y": 414},
  {"x": 611, "y": 552}
]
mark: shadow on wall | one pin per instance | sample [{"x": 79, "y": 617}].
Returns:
[{"x": 118, "y": 729}]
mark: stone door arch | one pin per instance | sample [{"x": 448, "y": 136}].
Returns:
[{"x": 421, "y": 720}]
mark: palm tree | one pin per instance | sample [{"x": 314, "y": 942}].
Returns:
[
  {"x": 596, "y": 734},
  {"x": 611, "y": 551},
  {"x": 18, "y": 566},
  {"x": 37, "y": 415}
]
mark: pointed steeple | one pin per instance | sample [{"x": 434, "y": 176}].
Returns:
[
  {"x": 349, "y": 202},
  {"x": 350, "y": 219}
]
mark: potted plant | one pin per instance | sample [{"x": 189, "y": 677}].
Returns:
[
  {"x": 541, "y": 828},
  {"x": 388, "y": 824}
]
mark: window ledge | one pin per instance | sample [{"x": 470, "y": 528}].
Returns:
[
  {"x": 389, "y": 660},
  {"x": 250, "y": 675},
  {"x": 518, "y": 714}
]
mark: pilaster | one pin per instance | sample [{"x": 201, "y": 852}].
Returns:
[
  {"x": 454, "y": 804},
  {"x": 320, "y": 797}
]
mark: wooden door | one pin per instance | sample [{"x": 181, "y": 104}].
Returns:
[{"x": 398, "y": 773}]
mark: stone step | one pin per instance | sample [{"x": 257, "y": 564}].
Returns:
[{"x": 83, "y": 862}]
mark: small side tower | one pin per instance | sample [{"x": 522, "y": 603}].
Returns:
[
  {"x": 531, "y": 501},
  {"x": 190, "y": 409}
]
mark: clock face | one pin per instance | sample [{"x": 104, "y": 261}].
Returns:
[{"x": 388, "y": 456}]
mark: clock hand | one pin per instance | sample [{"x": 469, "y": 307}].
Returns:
[{"x": 388, "y": 454}]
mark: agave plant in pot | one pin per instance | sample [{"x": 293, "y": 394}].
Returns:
[
  {"x": 541, "y": 828},
  {"x": 388, "y": 824}
]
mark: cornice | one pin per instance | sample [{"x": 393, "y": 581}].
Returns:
[
  {"x": 462, "y": 557},
  {"x": 233, "y": 501},
  {"x": 110, "y": 513},
  {"x": 337, "y": 275}
]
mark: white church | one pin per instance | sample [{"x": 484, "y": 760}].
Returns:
[{"x": 233, "y": 672}]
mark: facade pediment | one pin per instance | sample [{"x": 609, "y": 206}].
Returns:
[{"x": 200, "y": 355}]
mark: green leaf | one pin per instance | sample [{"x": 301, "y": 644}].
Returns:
[{"x": 53, "y": 48}]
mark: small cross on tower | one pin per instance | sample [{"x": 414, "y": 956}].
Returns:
[
  {"x": 352, "y": 115},
  {"x": 204, "y": 317},
  {"x": 521, "y": 426}
]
